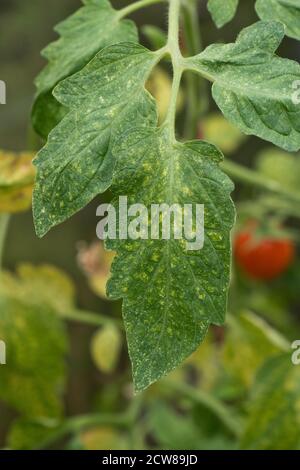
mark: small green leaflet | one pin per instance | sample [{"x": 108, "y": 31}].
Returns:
[
  {"x": 286, "y": 11},
  {"x": 274, "y": 418},
  {"x": 93, "y": 27},
  {"x": 252, "y": 86},
  {"x": 105, "y": 98},
  {"x": 170, "y": 294},
  {"x": 222, "y": 11}
]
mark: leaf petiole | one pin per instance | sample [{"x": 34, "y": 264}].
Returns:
[{"x": 137, "y": 6}]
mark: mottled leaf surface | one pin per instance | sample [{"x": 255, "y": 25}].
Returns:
[
  {"x": 170, "y": 294},
  {"x": 93, "y": 27},
  {"x": 286, "y": 11},
  {"x": 105, "y": 98},
  {"x": 222, "y": 11},
  {"x": 32, "y": 381},
  {"x": 274, "y": 416},
  {"x": 252, "y": 86}
]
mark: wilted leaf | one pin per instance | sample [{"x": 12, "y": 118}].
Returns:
[
  {"x": 105, "y": 348},
  {"x": 16, "y": 181}
]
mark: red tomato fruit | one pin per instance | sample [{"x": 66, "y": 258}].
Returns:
[{"x": 262, "y": 258}]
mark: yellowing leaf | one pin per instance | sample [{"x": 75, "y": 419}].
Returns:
[
  {"x": 16, "y": 181},
  {"x": 102, "y": 438},
  {"x": 215, "y": 128},
  {"x": 32, "y": 380},
  {"x": 40, "y": 285},
  {"x": 105, "y": 348},
  {"x": 249, "y": 342}
]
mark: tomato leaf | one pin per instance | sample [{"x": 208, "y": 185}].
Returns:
[
  {"x": 104, "y": 99},
  {"x": 252, "y": 86},
  {"x": 16, "y": 181},
  {"x": 274, "y": 419},
  {"x": 33, "y": 380},
  {"x": 171, "y": 294},
  {"x": 286, "y": 11},
  {"x": 255, "y": 341},
  {"x": 222, "y": 11},
  {"x": 93, "y": 27}
]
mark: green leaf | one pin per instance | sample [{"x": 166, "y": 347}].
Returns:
[
  {"x": 250, "y": 340},
  {"x": 27, "y": 434},
  {"x": 41, "y": 285},
  {"x": 105, "y": 98},
  {"x": 32, "y": 380},
  {"x": 252, "y": 86},
  {"x": 222, "y": 11},
  {"x": 93, "y": 27},
  {"x": 274, "y": 419},
  {"x": 286, "y": 11},
  {"x": 280, "y": 166},
  {"x": 170, "y": 294}
]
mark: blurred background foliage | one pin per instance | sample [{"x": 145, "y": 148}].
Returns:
[{"x": 67, "y": 381}]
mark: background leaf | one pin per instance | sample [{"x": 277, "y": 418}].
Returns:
[
  {"x": 16, "y": 181},
  {"x": 222, "y": 11},
  {"x": 274, "y": 419}
]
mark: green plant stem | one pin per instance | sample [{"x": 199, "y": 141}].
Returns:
[
  {"x": 196, "y": 86},
  {"x": 174, "y": 51},
  {"x": 4, "y": 220},
  {"x": 137, "y": 6},
  {"x": 90, "y": 318},
  {"x": 198, "y": 396},
  {"x": 253, "y": 178},
  {"x": 77, "y": 424}
]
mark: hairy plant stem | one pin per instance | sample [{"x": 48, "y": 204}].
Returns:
[
  {"x": 253, "y": 178},
  {"x": 4, "y": 220},
  {"x": 137, "y": 6},
  {"x": 232, "y": 423},
  {"x": 90, "y": 318},
  {"x": 77, "y": 424},
  {"x": 174, "y": 51}
]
